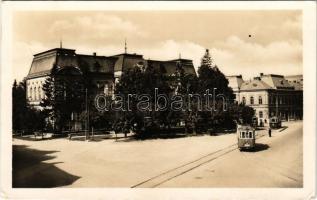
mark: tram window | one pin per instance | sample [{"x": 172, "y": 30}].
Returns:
[
  {"x": 250, "y": 134},
  {"x": 242, "y": 135}
]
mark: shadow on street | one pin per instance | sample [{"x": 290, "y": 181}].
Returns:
[
  {"x": 258, "y": 147},
  {"x": 29, "y": 170},
  {"x": 283, "y": 128}
]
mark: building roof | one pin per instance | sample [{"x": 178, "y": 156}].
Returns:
[
  {"x": 296, "y": 85},
  {"x": 96, "y": 63},
  {"x": 297, "y": 76},
  {"x": 276, "y": 81},
  {"x": 296, "y": 81},
  {"x": 43, "y": 62},
  {"x": 128, "y": 61},
  {"x": 235, "y": 82},
  {"x": 171, "y": 66},
  {"x": 255, "y": 85}
]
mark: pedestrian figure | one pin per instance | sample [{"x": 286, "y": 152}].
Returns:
[
  {"x": 270, "y": 132},
  {"x": 126, "y": 129}
]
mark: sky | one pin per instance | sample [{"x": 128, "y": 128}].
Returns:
[{"x": 275, "y": 45}]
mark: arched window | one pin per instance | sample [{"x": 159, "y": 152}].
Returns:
[
  {"x": 40, "y": 93},
  {"x": 260, "y": 99},
  {"x": 251, "y": 100},
  {"x": 31, "y": 93},
  {"x": 243, "y": 100},
  {"x": 35, "y": 94}
]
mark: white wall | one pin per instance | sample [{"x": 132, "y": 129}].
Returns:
[{"x": 34, "y": 92}]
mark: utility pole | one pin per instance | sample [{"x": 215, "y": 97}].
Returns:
[
  {"x": 86, "y": 123},
  {"x": 276, "y": 106}
]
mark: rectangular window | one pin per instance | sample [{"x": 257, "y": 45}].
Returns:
[
  {"x": 251, "y": 100},
  {"x": 260, "y": 114}
]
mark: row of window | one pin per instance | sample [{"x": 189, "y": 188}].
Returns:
[
  {"x": 273, "y": 100},
  {"x": 246, "y": 134},
  {"x": 35, "y": 82},
  {"x": 252, "y": 100},
  {"x": 293, "y": 99},
  {"x": 35, "y": 93}
]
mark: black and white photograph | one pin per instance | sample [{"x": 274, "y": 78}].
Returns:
[{"x": 160, "y": 97}]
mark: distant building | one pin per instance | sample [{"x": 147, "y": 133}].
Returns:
[
  {"x": 270, "y": 95},
  {"x": 296, "y": 81}
]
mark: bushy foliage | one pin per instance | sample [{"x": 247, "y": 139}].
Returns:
[
  {"x": 225, "y": 113},
  {"x": 24, "y": 117},
  {"x": 63, "y": 96}
]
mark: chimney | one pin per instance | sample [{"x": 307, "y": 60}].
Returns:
[{"x": 94, "y": 54}]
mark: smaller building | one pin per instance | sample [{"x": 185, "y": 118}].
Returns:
[{"x": 270, "y": 95}]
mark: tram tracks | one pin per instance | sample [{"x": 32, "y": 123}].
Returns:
[
  {"x": 168, "y": 175},
  {"x": 180, "y": 170}
]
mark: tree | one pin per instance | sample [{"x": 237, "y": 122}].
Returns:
[
  {"x": 142, "y": 82},
  {"x": 24, "y": 117},
  {"x": 64, "y": 96},
  {"x": 212, "y": 79},
  {"x": 207, "y": 60},
  {"x": 19, "y": 105}
]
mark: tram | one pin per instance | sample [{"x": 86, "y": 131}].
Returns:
[
  {"x": 275, "y": 122},
  {"x": 246, "y": 137}
]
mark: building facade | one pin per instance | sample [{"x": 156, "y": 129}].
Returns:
[
  {"x": 270, "y": 95},
  {"x": 104, "y": 71},
  {"x": 67, "y": 63}
]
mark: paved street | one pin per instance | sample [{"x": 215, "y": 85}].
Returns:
[
  {"x": 200, "y": 161},
  {"x": 280, "y": 165}
]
